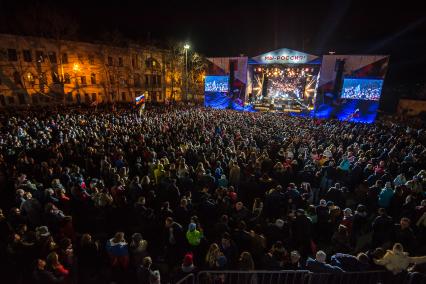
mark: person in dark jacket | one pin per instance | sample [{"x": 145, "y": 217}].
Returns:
[
  {"x": 43, "y": 276},
  {"x": 174, "y": 240},
  {"x": 336, "y": 195},
  {"x": 404, "y": 234},
  {"x": 351, "y": 263},
  {"x": 302, "y": 232},
  {"x": 318, "y": 265},
  {"x": 382, "y": 228},
  {"x": 144, "y": 272}
]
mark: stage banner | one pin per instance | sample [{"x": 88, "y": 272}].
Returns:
[{"x": 283, "y": 56}]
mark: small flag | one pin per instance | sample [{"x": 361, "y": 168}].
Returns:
[{"x": 140, "y": 99}]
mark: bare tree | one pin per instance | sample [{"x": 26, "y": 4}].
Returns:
[
  {"x": 44, "y": 21},
  {"x": 176, "y": 63}
]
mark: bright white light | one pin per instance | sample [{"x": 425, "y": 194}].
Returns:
[{"x": 186, "y": 46}]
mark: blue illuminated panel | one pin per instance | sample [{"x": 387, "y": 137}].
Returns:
[
  {"x": 216, "y": 84},
  {"x": 362, "y": 89}
]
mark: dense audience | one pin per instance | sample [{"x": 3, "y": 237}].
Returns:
[{"x": 101, "y": 196}]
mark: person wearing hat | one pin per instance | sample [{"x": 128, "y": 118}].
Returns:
[
  {"x": 193, "y": 236},
  {"x": 186, "y": 267}
]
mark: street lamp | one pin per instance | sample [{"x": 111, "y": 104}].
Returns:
[
  {"x": 186, "y": 47},
  {"x": 76, "y": 69}
]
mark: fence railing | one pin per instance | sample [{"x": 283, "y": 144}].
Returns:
[
  {"x": 252, "y": 277},
  {"x": 367, "y": 277},
  {"x": 298, "y": 277},
  {"x": 188, "y": 279}
]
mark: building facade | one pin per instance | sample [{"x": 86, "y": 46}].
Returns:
[{"x": 41, "y": 71}]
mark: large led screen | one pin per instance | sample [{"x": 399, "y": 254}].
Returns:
[
  {"x": 362, "y": 89},
  {"x": 216, "y": 84}
]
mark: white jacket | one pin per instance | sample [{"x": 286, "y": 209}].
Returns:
[{"x": 397, "y": 262}]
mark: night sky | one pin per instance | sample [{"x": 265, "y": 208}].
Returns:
[{"x": 229, "y": 28}]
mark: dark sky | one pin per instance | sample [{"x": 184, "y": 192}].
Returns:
[{"x": 221, "y": 28}]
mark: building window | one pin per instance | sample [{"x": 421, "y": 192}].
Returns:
[
  {"x": 91, "y": 59},
  {"x": 147, "y": 80},
  {"x": 39, "y": 56},
  {"x": 52, "y": 57},
  {"x": 133, "y": 62},
  {"x": 64, "y": 58},
  {"x": 123, "y": 96},
  {"x": 17, "y": 78},
  {"x": 55, "y": 78},
  {"x": 30, "y": 78},
  {"x": 2, "y": 100},
  {"x": 152, "y": 63},
  {"x": 12, "y": 55},
  {"x": 93, "y": 78},
  {"x": 67, "y": 78},
  {"x": 86, "y": 98},
  {"x": 83, "y": 80},
  {"x": 10, "y": 100},
  {"x": 158, "y": 80},
  {"x": 27, "y": 55},
  {"x": 94, "y": 99},
  {"x": 110, "y": 61},
  {"x": 120, "y": 62},
  {"x": 69, "y": 96}
]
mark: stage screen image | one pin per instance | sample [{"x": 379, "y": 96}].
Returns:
[
  {"x": 290, "y": 89},
  {"x": 216, "y": 84},
  {"x": 285, "y": 88},
  {"x": 362, "y": 89}
]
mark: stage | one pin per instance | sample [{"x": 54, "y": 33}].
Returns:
[{"x": 346, "y": 87}]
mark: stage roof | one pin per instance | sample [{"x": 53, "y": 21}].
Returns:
[{"x": 285, "y": 56}]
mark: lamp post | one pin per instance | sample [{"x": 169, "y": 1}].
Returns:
[
  {"x": 186, "y": 47},
  {"x": 76, "y": 69}
]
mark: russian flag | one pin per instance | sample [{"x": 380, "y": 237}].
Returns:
[{"x": 140, "y": 100}]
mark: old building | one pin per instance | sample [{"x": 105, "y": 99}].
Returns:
[{"x": 37, "y": 70}]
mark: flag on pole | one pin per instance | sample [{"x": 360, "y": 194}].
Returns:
[{"x": 140, "y": 99}]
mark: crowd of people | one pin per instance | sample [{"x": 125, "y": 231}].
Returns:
[{"x": 99, "y": 195}]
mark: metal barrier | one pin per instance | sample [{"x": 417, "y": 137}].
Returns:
[
  {"x": 188, "y": 279},
  {"x": 252, "y": 277},
  {"x": 368, "y": 277},
  {"x": 301, "y": 277}
]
